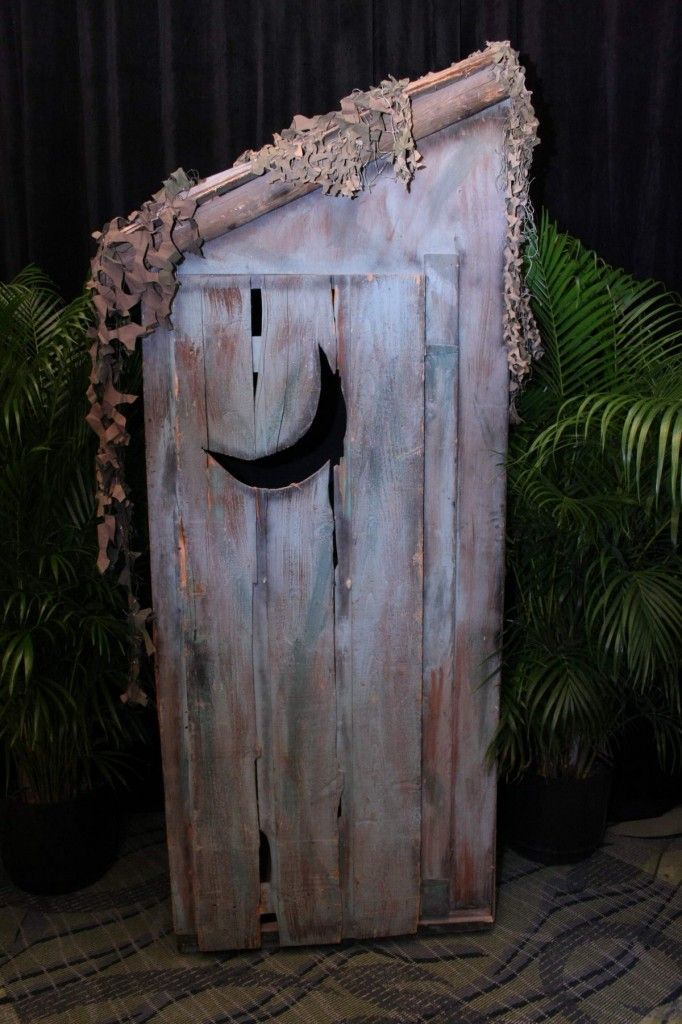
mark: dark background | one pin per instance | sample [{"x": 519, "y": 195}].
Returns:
[{"x": 100, "y": 99}]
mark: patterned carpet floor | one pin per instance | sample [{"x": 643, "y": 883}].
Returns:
[{"x": 596, "y": 943}]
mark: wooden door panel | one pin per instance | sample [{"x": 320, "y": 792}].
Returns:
[{"x": 302, "y": 680}]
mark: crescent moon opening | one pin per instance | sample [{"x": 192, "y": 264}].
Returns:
[{"x": 321, "y": 443}]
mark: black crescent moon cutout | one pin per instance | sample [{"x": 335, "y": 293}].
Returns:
[{"x": 321, "y": 443}]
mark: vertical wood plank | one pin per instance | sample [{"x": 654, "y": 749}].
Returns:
[
  {"x": 264, "y": 709},
  {"x": 216, "y": 570},
  {"x": 482, "y": 445},
  {"x": 440, "y": 487},
  {"x": 226, "y": 325},
  {"x": 226, "y": 817},
  {"x": 298, "y": 778},
  {"x": 342, "y": 621},
  {"x": 300, "y": 651},
  {"x": 297, "y": 317},
  {"x": 380, "y": 564},
  {"x": 169, "y": 661}
]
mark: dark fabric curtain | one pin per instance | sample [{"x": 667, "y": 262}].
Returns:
[{"x": 100, "y": 100}]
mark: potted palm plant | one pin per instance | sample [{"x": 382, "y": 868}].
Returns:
[
  {"x": 595, "y": 574},
  {"x": 63, "y": 630}
]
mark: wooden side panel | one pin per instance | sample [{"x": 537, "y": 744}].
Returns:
[
  {"x": 380, "y": 565},
  {"x": 164, "y": 542},
  {"x": 297, "y": 317},
  {"x": 217, "y": 563},
  {"x": 482, "y": 444},
  {"x": 440, "y": 491},
  {"x": 300, "y": 653}
]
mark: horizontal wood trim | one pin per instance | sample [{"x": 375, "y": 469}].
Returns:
[{"x": 469, "y": 920}]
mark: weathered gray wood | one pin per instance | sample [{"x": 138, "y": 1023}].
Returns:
[
  {"x": 293, "y": 624},
  {"x": 342, "y": 613},
  {"x": 440, "y": 490},
  {"x": 265, "y": 711},
  {"x": 294, "y": 540},
  {"x": 482, "y": 444},
  {"x": 226, "y": 820},
  {"x": 216, "y": 577},
  {"x": 380, "y": 563},
  {"x": 344, "y": 661},
  {"x": 300, "y": 623},
  {"x": 226, "y": 328},
  {"x": 228, "y": 385},
  {"x": 297, "y": 317},
  {"x": 456, "y": 203},
  {"x": 165, "y": 542}
]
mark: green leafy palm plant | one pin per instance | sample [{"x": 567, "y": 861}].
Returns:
[
  {"x": 595, "y": 575},
  {"x": 63, "y": 630}
]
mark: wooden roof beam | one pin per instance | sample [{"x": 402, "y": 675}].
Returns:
[{"x": 237, "y": 196}]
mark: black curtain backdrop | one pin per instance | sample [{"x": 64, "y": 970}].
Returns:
[{"x": 100, "y": 99}]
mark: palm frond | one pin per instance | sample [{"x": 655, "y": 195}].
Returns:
[
  {"x": 64, "y": 633},
  {"x": 595, "y": 495}
]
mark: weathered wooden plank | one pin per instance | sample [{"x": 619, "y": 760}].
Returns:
[
  {"x": 289, "y": 382},
  {"x": 265, "y": 712},
  {"x": 232, "y": 569},
  {"x": 297, "y": 317},
  {"x": 217, "y": 566},
  {"x": 293, "y": 623},
  {"x": 169, "y": 662},
  {"x": 440, "y": 489},
  {"x": 300, "y": 652},
  {"x": 381, "y": 565},
  {"x": 226, "y": 327},
  {"x": 482, "y": 445},
  {"x": 342, "y": 614},
  {"x": 226, "y": 805}
]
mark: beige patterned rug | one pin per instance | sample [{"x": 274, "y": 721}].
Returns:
[{"x": 596, "y": 943}]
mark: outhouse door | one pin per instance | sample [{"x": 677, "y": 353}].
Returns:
[{"x": 289, "y": 618}]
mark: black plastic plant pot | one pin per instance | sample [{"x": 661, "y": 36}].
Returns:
[
  {"x": 556, "y": 821},
  {"x": 60, "y": 847}
]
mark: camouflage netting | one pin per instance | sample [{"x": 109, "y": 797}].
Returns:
[
  {"x": 333, "y": 150},
  {"x": 133, "y": 279},
  {"x": 521, "y": 335},
  {"x": 133, "y": 284}
]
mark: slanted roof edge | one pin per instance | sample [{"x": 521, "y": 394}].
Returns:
[
  {"x": 134, "y": 270},
  {"x": 439, "y": 99}
]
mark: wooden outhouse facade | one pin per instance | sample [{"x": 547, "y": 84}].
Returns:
[{"x": 327, "y": 643}]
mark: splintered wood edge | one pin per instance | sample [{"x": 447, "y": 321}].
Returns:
[{"x": 439, "y": 99}]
